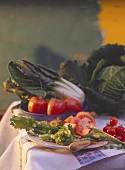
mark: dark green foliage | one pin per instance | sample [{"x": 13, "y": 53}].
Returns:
[
  {"x": 28, "y": 80},
  {"x": 11, "y": 86},
  {"x": 70, "y": 71},
  {"x": 102, "y": 77},
  {"x": 109, "y": 52},
  {"x": 99, "y": 103}
]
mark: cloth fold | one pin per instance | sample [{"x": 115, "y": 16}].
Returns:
[
  {"x": 7, "y": 132},
  {"x": 11, "y": 158}
]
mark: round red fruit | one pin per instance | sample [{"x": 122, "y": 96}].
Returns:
[
  {"x": 56, "y": 107},
  {"x": 123, "y": 137},
  {"x": 118, "y": 137},
  {"x": 72, "y": 105},
  {"x": 113, "y": 121},
  {"x": 111, "y": 131},
  {"x": 120, "y": 130},
  {"x": 37, "y": 105},
  {"x": 105, "y": 129}
]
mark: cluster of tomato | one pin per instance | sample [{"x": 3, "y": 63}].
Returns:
[
  {"x": 53, "y": 106},
  {"x": 118, "y": 131}
]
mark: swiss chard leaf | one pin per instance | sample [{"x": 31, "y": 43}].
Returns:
[
  {"x": 10, "y": 86},
  {"x": 29, "y": 66},
  {"x": 26, "y": 79},
  {"x": 48, "y": 72}
]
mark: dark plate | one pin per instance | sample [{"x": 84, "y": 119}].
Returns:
[{"x": 40, "y": 117}]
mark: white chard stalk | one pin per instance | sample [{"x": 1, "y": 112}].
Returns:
[{"x": 68, "y": 89}]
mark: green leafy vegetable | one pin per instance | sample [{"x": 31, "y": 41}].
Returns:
[
  {"x": 103, "y": 76},
  {"x": 105, "y": 70},
  {"x": 59, "y": 134},
  {"x": 28, "y": 80},
  {"x": 63, "y": 136},
  {"x": 112, "y": 82},
  {"x": 31, "y": 124},
  {"x": 11, "y": 86},
  {"x": 23, "y": 123}
]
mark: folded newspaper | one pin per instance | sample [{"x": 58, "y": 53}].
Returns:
[{"x": 87, "y": 157}]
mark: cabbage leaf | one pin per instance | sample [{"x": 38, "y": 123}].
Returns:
[{"x": 111, "y": 82}]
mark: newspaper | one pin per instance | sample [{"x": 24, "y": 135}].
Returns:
[{"x": 86, "y": 157}]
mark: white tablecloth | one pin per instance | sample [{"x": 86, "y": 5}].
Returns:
[{"x": 16, "y": 153}]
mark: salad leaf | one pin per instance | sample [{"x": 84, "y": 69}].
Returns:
[{"x": 59, "y": 134}]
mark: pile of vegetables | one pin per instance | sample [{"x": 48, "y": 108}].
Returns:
[
  {"x": 98, "y": 82},
  {"x": 28, "y": 80},
  {"x": 62, "y": 132}
]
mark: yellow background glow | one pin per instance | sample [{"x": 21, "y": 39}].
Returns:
[{"x": 112, "y": 21}]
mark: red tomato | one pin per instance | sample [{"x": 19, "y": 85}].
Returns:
[
  {"x": 82, "y": 120},
  {"x": 113, "y": 121},
  {"x": 73, "y": 105},
  {"x": 37, "y": 105},
  {"x": 123, "y": 137},
  {"x": 111, "y": 131},
  {"x": 118, "y": 137},
  {"x": 120, "y": 130},
  {"x": 56, "y": 107},
  {"x": 57, "y": 121},
  {"x": 105, "y": 129}
]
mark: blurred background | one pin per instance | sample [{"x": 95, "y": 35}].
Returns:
[{"x": 49, "y": 31}]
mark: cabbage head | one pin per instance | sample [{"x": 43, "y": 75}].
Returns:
[{"x": 105, "y": 80}]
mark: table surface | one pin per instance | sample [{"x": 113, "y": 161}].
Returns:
[{"x": 17, "y": 153}]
